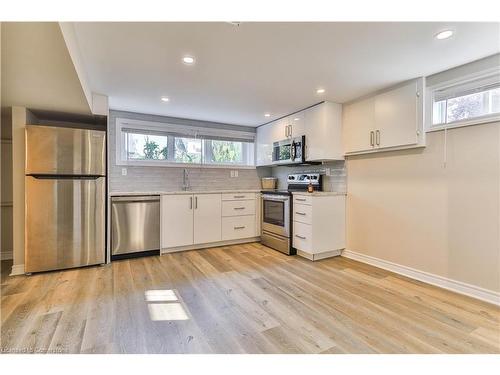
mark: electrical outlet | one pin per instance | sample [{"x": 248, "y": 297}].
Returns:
[
  {"x": 328, "y": 171},
  {"x": 235, "y": 173},
  {"x": 124, "y": 171}
]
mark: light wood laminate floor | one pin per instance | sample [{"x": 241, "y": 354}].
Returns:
[{"x": 239, "y": 299}]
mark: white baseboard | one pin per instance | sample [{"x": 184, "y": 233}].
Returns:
[
  {"x": 17, "y": 269},
  {"x": 6, "y": 255},
  {"x": 319, "y": 256},
  {"x": 209, "y": 245},
  {"x": 440, "y": 281}
]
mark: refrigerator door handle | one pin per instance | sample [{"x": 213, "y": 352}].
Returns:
[{"x": 64, "y": 177}]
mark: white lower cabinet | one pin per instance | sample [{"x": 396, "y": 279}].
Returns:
[
  {"x": 238, "y": 227},
  {"x": 207, "y": 218},
  {"x": 318, "y": 225},
  {"x": 188, "y": 220},
  {"x": 238, "y": 208},
  {"x": 176, "y": 220},
  {"x": 302, "y": 237}
]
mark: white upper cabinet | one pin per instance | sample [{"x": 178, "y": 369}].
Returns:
[
  {"x": 264, "y": 145},
  {"x": 396, "y": 116},
  {"x": 321, "y": 125},
  {"x": 388, "y": 121},
  {"x": 297, "y": 124},
  {"x": 282, "y": 129},
  {"x": 359, "y": 124}
]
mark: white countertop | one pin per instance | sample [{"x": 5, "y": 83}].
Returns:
[
  {"x": 118, "y": 193},
  {"x": 319, "y": 193}
]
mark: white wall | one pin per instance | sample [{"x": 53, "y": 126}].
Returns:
[
  {"x": 408, "y": 208},
  {"x": 19, "y": 120},
  {"x": 6, "y": 186}
]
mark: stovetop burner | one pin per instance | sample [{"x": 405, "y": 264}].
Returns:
[{"x": 299, "y": 182}]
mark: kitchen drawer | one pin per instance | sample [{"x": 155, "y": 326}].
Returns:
[
  {"x": 302, "y": 213},
  {"x": 237, "y": 196},
  {"x": 238, "y": 208},
  {"x": 302, "y": 236},
  {"x": 236, "y": 227},
  {"x": 302, "y": 199}
]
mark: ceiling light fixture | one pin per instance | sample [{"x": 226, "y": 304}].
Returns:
[
  {"x": 165, "y": 99},
  {"x": 296, "y": 118},
  {"x": 320, "y": 91},
  {"x": 189, "y": 60},
  {"x": 267, "y": 115},
  {"x": 445, "y": 34}
]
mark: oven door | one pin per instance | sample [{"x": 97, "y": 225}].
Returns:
[{"x": 276, "y": 215}]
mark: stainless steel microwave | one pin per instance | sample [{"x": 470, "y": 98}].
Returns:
[{"x": 289, "y": 151}]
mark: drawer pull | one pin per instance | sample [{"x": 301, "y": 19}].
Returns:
[
  {"x": 242, "y": 227},
  {"x": 300, "y": 213},
  {"x": 239, "y": 196},
  {"x": 238, "y": 208},
  {"x": 301, "y": 237},
  {"x": 300, "y": 199}
]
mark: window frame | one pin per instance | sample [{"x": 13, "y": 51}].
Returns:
[
  {"x": 463, "y": 80},
  {"x": 248, "y": 153},
  {"x": 186, "y": 131}
]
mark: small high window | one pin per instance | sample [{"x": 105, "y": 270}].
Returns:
[{"x": 468, "y": 102}]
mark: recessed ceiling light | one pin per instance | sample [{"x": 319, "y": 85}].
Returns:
[
  {"x": 165, "y": 99},
  {"x": 445, "y": 34},
  {"x": 320, "y": 91},
  {"x": 267, "y": 115},
  {"x": 296, "y": 118},
  {"x": 188, "y": 60}
]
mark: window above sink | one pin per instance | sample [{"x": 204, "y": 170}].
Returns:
[{"x": 145, "y": 143}]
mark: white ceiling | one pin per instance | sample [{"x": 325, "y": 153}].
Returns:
[
  {"x": 37, "y": 71},
  {"x": 243, "y": 72}
]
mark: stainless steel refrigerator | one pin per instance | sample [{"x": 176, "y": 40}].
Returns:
[{"x": 65, "y": 187}]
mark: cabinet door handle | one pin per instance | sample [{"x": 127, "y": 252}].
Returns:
[
  {"x": 372, "y": 143},
  {"x": 195, "y": 203},
  {"x": 190, "y": 203},
  {"x": 300, "y": 199},
  {"x": 238, "y": 208},
  {"x": 377, "y": 137},
  {"x": 286, "y": 131},
  {"x": 243, "y": 227},
  {"x": 290, "y": 131},
  {"x": 239, "y": 196},
  {"x": 300, "y": 213},
  {"x": 301, "y": 237}
]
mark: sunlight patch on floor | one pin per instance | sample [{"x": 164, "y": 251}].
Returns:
[
  {"x": 166, "y": 295},
  {"x": 164, "y": 305},
  {"x": 167, "y": 311}
]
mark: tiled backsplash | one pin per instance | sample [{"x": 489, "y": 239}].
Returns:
[
  {"x": 140, "y": 178},
  {"x": 336, "y": 181}
]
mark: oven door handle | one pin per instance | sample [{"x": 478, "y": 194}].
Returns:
[{"x": 275, "y": 199}]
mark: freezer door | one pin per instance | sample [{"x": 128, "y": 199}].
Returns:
[
  {"x": 65, "y": 223},
  {"x": 65, "y": 151}
]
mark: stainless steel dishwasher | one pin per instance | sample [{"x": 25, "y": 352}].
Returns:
[{"x": 135, "y": 226}]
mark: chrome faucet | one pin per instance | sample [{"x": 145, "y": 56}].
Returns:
[{"x": 185, "y": 180}]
